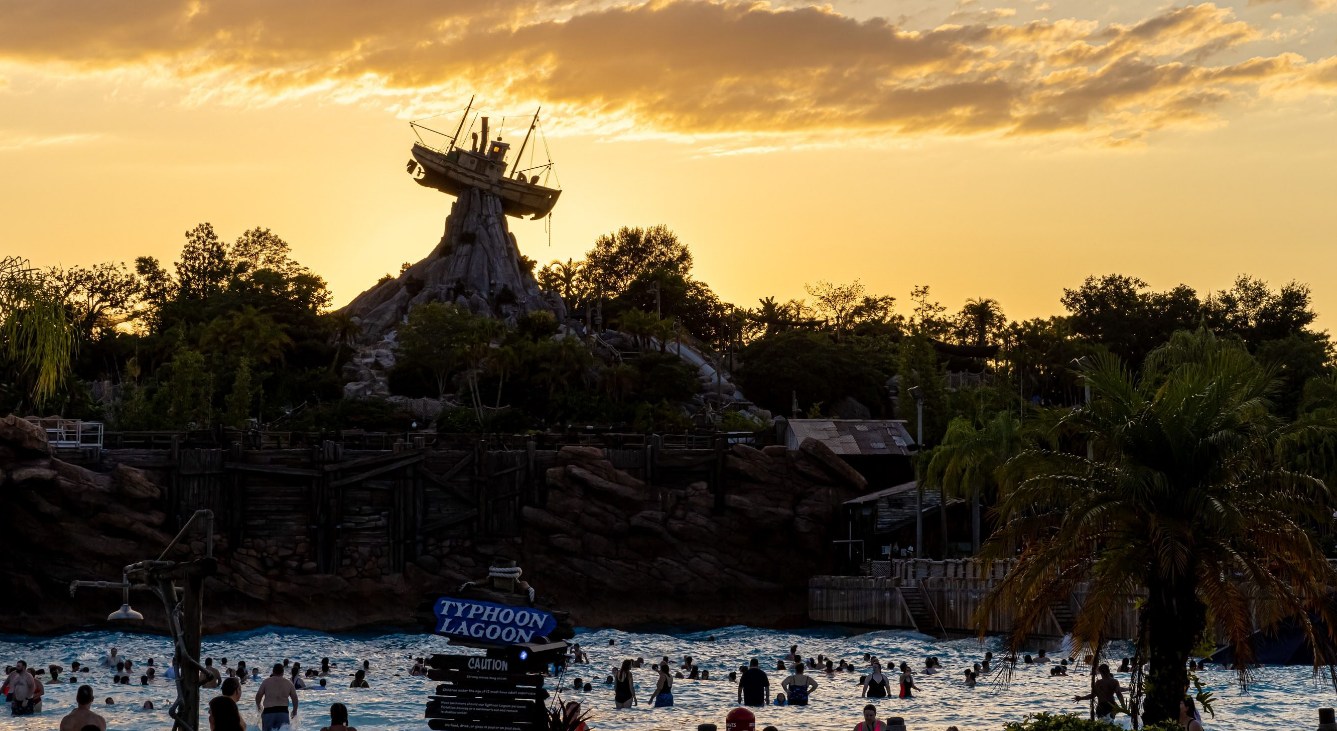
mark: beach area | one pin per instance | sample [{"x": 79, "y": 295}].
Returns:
[{"x": 1279, "y": 697}]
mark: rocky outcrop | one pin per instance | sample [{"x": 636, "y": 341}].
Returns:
[
  {"x": 632, "y": 553},
  {"x": 604, "y": 545},
  {"x": 476, "y": 265}
]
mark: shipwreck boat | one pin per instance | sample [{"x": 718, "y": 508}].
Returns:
[{"x": 482, "y": 164}]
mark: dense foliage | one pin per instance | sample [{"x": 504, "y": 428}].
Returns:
[
  {"x": 1187, "y": 491},
  {"x": 238, "y": 330},
  {"x": 232, "y": 331}
]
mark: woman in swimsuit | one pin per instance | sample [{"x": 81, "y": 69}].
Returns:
[
  {"x": 870, "y": 722},
  {"x": 907, "y": 682},
  {"x": 878, "y": 685},
  {"x": 624, "y": 693},
  {"x": 338, "y": 718},
  {"x": 1188, "y": 715},
  {"x": 664, "y": 688}
]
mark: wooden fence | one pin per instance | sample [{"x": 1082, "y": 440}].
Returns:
[
  {"x": 329, "y": 509},
  {"x": 939, "y": 598}
]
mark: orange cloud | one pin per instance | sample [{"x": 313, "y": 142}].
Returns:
[{"x": 687, "y": 66}]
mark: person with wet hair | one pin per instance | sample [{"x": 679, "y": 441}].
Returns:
[
  {"x": 83, "y": 716},
  {"x": 224, "y": 715},
  {"x": 338, "y": 718}
]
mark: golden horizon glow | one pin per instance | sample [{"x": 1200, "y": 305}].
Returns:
[{"x": 987, "y": 149}]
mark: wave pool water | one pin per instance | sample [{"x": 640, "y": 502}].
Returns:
[{"x": 1280, "y": 697}]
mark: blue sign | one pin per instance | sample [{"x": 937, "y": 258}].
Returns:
[{"x": 481, "y": 621}]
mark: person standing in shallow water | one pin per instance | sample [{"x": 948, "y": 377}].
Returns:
[
  {"x": 624, "y": 692},
  {"x": 1106, "y": 689},
  {"x": 907, "y": 682},
  {"x": 664, "y": 688},
  {"x": 754, "y": 686},
  {"x": 798, "y": 686},
  {"x": 878, "y": 685},
  {"x": 275, "y": 690}
]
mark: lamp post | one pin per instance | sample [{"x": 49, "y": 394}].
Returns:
[
  {"x": 182, "y": 606},
  {"x": 1081, "y": 365},
  {"x": 918, "y": 395}
]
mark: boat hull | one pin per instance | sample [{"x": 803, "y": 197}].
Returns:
[{"x": 449, "y": 174}]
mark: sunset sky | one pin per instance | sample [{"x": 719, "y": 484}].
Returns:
[{"x": 1003, "y": 150}]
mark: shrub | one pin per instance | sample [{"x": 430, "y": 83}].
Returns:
[{"x": 1058, "y": 722}]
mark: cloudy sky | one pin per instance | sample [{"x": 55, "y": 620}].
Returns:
[{"x": 987, "y": 149}]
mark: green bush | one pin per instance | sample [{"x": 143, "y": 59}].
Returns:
[
  {"x": 1058, "y": 722},
  {"x": 740, "y": 421}
]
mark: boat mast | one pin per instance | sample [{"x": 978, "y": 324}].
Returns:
[
  {"x": 526, "y": 142},
  {"x": 454, "y": 140}
]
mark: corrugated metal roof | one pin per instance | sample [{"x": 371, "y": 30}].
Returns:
[
  {"x": 896, "y": 504},
  {"x": 854, "y": 436}
]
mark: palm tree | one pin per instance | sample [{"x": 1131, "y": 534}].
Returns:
[
  {"x": 640, "y": 325},
  {"x": 979, "y": 320},
  {"x": 1187, "y": 499},
  {"x": 343, "y": 333},
  {"x": 35, "y": 330},
  {"x": 969, "y": 459}
]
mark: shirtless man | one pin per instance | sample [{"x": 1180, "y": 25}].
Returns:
[
  {"x": 272, "y": 700},
  {"x": 210, "y": 678},
  {"x": 1104, "y": 692},
  {"x": 83, "y": 716},
  {"x": 22, "y": 689}
]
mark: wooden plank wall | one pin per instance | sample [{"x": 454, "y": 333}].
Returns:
[
  {"x": 876, "y": 602},
  {"x": 330, "y": 509}
]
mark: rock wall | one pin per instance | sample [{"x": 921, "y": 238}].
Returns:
[
  {"x": 476, "y": 265},
  {"x": 630, "y": 553},
  {"x": 605, "y": 546}
]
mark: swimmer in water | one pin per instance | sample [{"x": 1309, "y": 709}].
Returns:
[
  {"x": 624, "y": 690},
  {"x": 870, "y": 722},
  {"x": 878, "y": 685},
  {"x": 83, "y": 716},
  {"x": 338, "y": 718},
  {"x": 1104, "y": 692},
  {"x": 798, "y": 686},
  {"x": 907, "y": 682}
]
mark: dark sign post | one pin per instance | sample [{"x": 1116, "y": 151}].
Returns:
[{"x": 502, "y": 690}]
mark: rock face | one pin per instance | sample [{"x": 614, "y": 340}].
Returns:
[
  {"x": 604, "y": 545},
  {"x": 631, "y": 553},
  {"x": 476, "y": 265}
]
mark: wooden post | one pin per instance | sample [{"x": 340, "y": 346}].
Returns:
[
  {"x": 483, "y": 487},
  {"x": 192, "y": 611}
]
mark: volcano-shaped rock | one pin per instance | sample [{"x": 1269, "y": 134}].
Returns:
[{"x": 477, "y": 265}]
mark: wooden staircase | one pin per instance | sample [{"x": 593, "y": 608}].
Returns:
[
  {"x": 1064, "y": 616},
  {"x": 921, "y": 611}
]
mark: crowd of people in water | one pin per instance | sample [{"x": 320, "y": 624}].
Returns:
[
  {"x": 798, "y": 683},
  {"x": 276, "y": 696}
]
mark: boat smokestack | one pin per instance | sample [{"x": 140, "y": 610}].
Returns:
[{"x": 484, "y": 136}]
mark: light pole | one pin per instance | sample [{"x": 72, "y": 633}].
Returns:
[
  {"x": 184, "y": 615},
  {"x": 1081, "y": 364},
  {"x": 918, "y": 395}
]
